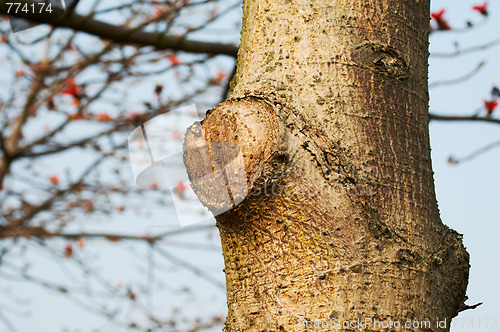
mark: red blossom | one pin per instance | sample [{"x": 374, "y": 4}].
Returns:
[
  {"x": 490, "y": 105},
  {"x": 214, "y": 11},
  {"x": 81, "y": 242},
  {"x": 141, "y": 142},
  {"x": 221, "y": 75},
  {"x": 71, "y": 87},
  {"x": 442, "y": 24},
  {"x": 103, "y": 117},
  {"x": 19, "y": 73},
  {"x": 180, "y": 188},
  {"x": 158, "y": 90},
  {"x": 54, "y": 179},
  {"x": 75, "y": 101},
  {"x": 68, "y": 250},
  {"x": 154, "y": 186},
  {"x": 176, "y": 134},
  {"x": 174, "y": 60},
  {"x": 88, "y": 206},
  {"x": 157, "y": 12},
  {"x": 438, "y": 15},
  {"x": 482, "y": 9}
]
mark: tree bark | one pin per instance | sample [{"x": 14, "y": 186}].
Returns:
[{"x": 330, "y": 111}]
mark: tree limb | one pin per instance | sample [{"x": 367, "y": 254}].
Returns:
[
  {"x": 122, "y": 35},
  {"x": 194, "y": 269},
  {"x": 464, "y": 51},
  {"x": 41, "y": 232},
  {"x": 474, "y": 154},
  {"x": 462, "y": 118},
  {"x": 459, "y": 79},
  {"x": 464, "y": 307}
]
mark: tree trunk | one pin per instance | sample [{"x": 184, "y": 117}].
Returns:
[{"x": 340, "y": 222}]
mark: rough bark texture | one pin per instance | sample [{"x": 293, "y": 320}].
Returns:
[{"x": 341, "y": 221}]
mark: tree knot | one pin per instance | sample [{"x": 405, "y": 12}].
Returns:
[{"x": 382, "y": 59}]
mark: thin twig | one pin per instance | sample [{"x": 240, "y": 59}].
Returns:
[
  {"x": 474, "y": 154},
  {"x": 192, "y": 268},
  {"x": 464, "y": 51},
  {"x": 459, "y": 79},
  {"x": 462, "y": 118}
]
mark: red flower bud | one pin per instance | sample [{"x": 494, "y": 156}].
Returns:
[
  {"x": 174, "y": 60},
  {"x": 490, "y": 106},
  {"x": 54, "y": 179},
  {"x": 442, "y": 24},
  {"x": 103, "y": 117},
  {"x": 482, "y": 9},
  {"x": 158, "y": 89},
  {"x": 68, "y": 250},
  {"x": 71, "y": 87}
]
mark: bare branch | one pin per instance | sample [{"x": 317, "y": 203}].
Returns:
[
  {"x": 462, "y": 118},
  {"x": 42, "y": 233},
  {"x": 60, "y": 148},
  {"x": 464, "y": 307},
  {"x": 8, "y": 324},
  {"x": 192, "y": 268},
  {"x": 123, "y": 35},
  {"x": 48, "y": 203},
  {"x": 464, "y": 51},
  {"x": 474, "y": 154},
  {"x": 459, "y": 79}
]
